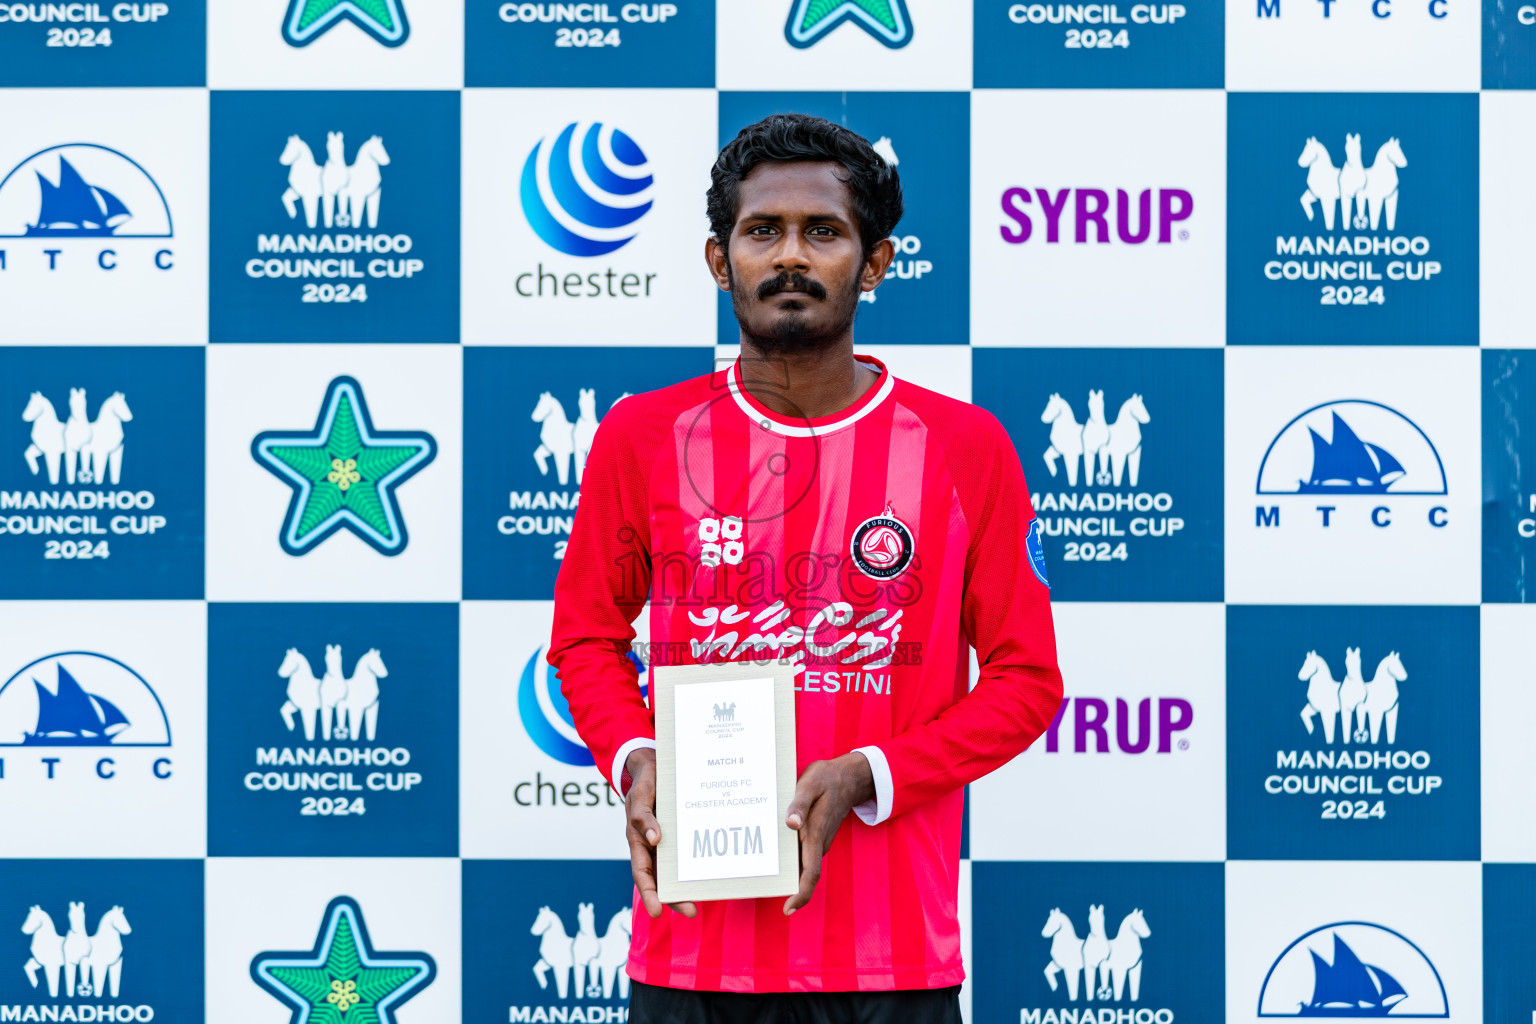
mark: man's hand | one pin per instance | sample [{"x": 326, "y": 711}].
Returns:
[
  {"x": 644, "y": 833},
  {"x": 823, "y": 797}
]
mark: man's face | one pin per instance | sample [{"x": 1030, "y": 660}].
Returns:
[{"x": 795, "y": 265}]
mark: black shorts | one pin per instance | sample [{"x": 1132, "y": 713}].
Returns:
[{"x": 649, "y": 1004}]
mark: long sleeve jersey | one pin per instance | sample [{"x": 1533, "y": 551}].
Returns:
[{"x": 869, "y": 548}]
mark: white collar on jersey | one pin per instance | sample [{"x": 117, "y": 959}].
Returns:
[{"x": 767, "y": 419}]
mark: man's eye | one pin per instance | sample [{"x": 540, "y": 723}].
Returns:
[
  {"x": 823, "y": 231},
  {"x": 761, "y": 229}
]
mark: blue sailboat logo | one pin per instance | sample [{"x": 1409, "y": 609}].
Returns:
[
  {"x": 1349, "y": 465},
  {"x": 74, "y": 209},
  {"x": 82, "y": 190},
  {"x": 1353, "y": 969},
  {"x": 81, "y": 699},
  {"x": 1350, "y": 447},
  {"x": 70, "y": 717},
  {"x": 1349, "y": 988}
]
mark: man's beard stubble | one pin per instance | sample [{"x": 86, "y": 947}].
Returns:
[{"x": 791, "y": 330}]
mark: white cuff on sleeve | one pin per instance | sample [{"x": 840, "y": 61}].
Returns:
[
  {"x": 877, "y": 810},
  {"x": 617, "y": 775}
]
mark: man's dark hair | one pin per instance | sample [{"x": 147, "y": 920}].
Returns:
[{"x": 785, "y": 138}]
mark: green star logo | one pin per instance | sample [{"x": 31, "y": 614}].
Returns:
[
  {"x": 308, "y": 20},
  {"x": 344, "y": 473},
  {"x": 342, "y": 980},
  {"x": 886, "y": 20}
]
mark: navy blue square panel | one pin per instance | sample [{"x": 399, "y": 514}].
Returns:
[
  {"x": 101, "y": 940},
  {"x": 1509, "y": 44},
  {"x": 101, "y": 495},
  {"x": 1119, "y": 941},
  {"x": 530, "y": 415},
  {"x": 1120, "y": 522},
  {"x": 1509, "y": 942},
  {"x": 333, "y": 730},
  {"x": 1352, "y": 733},
  {"x": 1509, "y": 473},
  {"x": 570, "y": 919},
  {"x": 1099, "y": 46},
  {"x": 1352, "y": 219},
  {"x": 104, "y": 43},
  {"x": 589, "y": 45},
  {"x": 925, "y": 299},
  {"x": 335, "y": 217}
]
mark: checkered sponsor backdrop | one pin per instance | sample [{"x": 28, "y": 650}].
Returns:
[{"x": 309, "y": 310}]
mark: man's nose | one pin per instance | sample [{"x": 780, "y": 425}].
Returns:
[{"x": 793, "y": 254}]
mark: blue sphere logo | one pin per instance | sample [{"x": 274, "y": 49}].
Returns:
[
  {"x": 546, "y": 715},
  {"x": 584, "y": 192}
]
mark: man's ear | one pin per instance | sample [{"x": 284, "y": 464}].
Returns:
[
  {"x": 878, "y": 263},
  {"x": 719, "y": 262}
]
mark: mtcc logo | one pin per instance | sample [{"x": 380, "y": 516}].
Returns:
[
  {"x": 1353, "y": 197},
  {"x": 1353, "y": 969},
  {"x": 80, "y": 699},
  {"x": 344, "y": 473},
  {"x": 87, "y": 455},
  {"x": 1352, "y": 712},
  {"x": 308, "y": 20},
  {"x": 84, "y": 191},
  {"x": 1380, "y": 9},
  {"x": 584, "y": 965},
  {"x": 343, "y": 978},
  {"x": 91, "y": 964},
  {"x": 1109, "y": 969},
  {"x": 1352, "y": 450},
  {"x": 343, "y": 198},
  {"x": 346, "y": 710},
  {"x": 1110, "y": 456},
  {"x": 584, "y": 192},
  {"x": 885, "y": 20},
  {"x": 563, "y": 445}
]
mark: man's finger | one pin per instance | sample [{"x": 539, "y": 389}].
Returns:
[
  {"x": 642, "y": 865},
  {"x": 686, "y": 909},
  {"x": 811, "y": 846},
  {"x": 643, "y": 823},
  {"x": 806, "y": 792}
]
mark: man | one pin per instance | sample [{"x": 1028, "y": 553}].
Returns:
[{"x": 804, "y": 505}]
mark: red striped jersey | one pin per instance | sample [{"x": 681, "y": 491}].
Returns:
[{"x": 871, "y": 547}]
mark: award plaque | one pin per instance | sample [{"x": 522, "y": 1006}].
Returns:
[{"x": 725, "y": 774}]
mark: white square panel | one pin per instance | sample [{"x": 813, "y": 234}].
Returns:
[
  {"x": 1508, "y": 705},
  {"x": 137, "y": 159},
  {"x": 1385, "y": 510},
  {"x": 911, "y": 44},
  {"x": 1098, "y": 217},
  {"x": 1508, "y": 305},
  {"x": 253, "y": 389},
  {"x": 1420, "y": 923},
  {"x": 261, "y": 906},
  {"x": 1353, "y": 46},
  {"x": 103, "y": 729},
  {"x": 602, "y": 246},
  {"x": 249, "y": 47},
  {"x": 1134, "y": 767}
]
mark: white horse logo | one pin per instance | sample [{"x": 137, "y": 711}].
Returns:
[
  {"x": 562, "y": 440},
  {"x": 342, "y": 195},
  {"x": 1115, "y": 961},
  {"x": 354, "y": 702},
  {"x": 97, "y": 447},
  {"x": 1371, "y": 191},
  {"x": 1115, "y": 447},
  {"x": 595, "y": 962},
  {"x": 1361, "y": 707},
  {"x": 99, "y": 957}
]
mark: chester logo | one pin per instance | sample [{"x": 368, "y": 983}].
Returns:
[
  {"x": 343, "y": 978},
  {"x": 308, "y": 20},
  {"x": 344, "y": 473},
  {"x": 886, "y": 20}
]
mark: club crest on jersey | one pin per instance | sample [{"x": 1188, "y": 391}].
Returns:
[{"x": 882, "y": 546}]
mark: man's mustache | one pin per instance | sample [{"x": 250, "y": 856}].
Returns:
[{"x": 787, "y": 282}]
